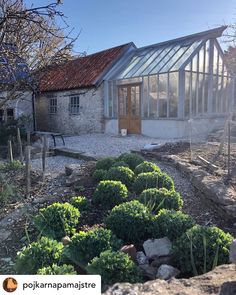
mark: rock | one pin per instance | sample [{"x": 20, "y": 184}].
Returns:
[
  {"x": 141, "y": 258},
  {"x": 4, "y": 234},
  {"x": 148, "y": 271},
  {"x": 74, "y": 177},
  {"x": 69, "y": 169},
  {"x": 7, "y": 259},
  {"x": 220, "y": 281},
  {"x": 158, "y": 261},
  {"x": 66, "y": 240},
  {"x": 157, "y": 247},
  {"x": 232, "y": 252},
  {"x": 165, "y": 272},
  {"x": 130, "y": 250}
]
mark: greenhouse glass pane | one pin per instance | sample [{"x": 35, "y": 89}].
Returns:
[
  {"x": 174, "y": 59},
  {"x": 173, "y": 94},
  {"x": 142, "y": 60},
  {"x": 156, "y": 61},
  {"x": 132, "y": 63},
  {"x": 153, "y": 96},
  {"x": 205, "y": 96},
  {"x": 145, "y": 97},
  {"x": 149, "y": 61},
  {"x": 185, "y": 56},
  {"x": 200, "y": 93},
  {"x": 163, "y": 95},
  {"x": 187, "y": 94},
  {"x": 207, "y": 57},
  {"x": 215, "y": 60},
  {"x": 194, "y": 94},
  {"x": 201, "y": 60},
  {"x": 165, "y": 60}
]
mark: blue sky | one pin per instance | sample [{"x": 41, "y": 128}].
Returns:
[{"x": 107, "y": 23}]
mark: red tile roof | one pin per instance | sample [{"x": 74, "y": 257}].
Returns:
[{"x": 81, "y": 72}]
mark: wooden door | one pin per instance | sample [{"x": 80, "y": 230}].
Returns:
[{"x": 129, "y": 108}]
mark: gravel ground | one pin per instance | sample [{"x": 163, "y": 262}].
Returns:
[
  {"x": 103, "y": 145},
  {"x": 55, "y": 164}
]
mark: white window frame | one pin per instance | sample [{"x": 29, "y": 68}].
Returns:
[
  {"x": 74, "y": 105},
  {"x": 53, "y": 106}
]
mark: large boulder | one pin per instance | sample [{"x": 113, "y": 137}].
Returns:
[
  {"x": 232, "y": 253},
  {"x": 220, "y": 281},
  {"x": 157, "y": 247},
  {"x": 165, "y": 272}
]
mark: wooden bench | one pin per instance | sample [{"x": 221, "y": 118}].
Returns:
[{"x": 52, "y": 134}]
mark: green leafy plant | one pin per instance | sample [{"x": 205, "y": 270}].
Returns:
[
  {"x": 57, "y": 220},
  {"x": 39, "y": 254},
  {"x": 8, "y": 192},
  {"x": 200, "y": 249},
  {"x": 132, "y": 160},
  {"x": 110, "y": 193},
  {"x": 57, "y": 270},
  {"x": 105, "y": 163},
  {"x": 146, "y": 167},
  {"x": 130, "y": 221},
  {"x": 120, "y": 164},
  {"x": 79, "y": 188},
  {"x": 99, "y": 175},
  {"x": 152, "y": 180},
  {"x": 85, "y": 246},
  {"x": 115, "y": 267},
  {"x": 14, "y": 165},
  {"x": 171, "y": 224},
  {"x": 123, "y": 174},
  {"x": 81, "y": 203},
  {"x": 156, "y": 199}
]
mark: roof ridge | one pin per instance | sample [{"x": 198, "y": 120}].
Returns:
[{"x": 217, "y": 32}]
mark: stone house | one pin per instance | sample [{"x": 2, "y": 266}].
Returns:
[{"x": 155, "y": 90}]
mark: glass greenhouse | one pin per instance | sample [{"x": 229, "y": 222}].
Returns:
[{"x": 158, "y": 88}]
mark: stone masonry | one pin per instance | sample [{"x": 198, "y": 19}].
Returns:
[{"x": 89, "y": 119}]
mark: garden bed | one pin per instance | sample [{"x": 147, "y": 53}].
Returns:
[{"x": 94, "y": 218}]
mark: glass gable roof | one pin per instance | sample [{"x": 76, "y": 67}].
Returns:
[
  {"x": 159, "y": 59},
  {"x": 167, "y": 56}
]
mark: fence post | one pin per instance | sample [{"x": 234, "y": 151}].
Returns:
[
  {"x": 28, "y": 138},
  {"x": 10, "y": 153},
  {"x": 44, "y": 153},
  {"x": 20, "y": 145},
  {"x": 28, "y": 169},
  {"x": 229, "y": 148}
]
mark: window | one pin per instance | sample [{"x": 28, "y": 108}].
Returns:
[
  {"x": 10, "y": 114},
  {"x": 53, "y": 106},
  {"x": 74, "y": 105}
]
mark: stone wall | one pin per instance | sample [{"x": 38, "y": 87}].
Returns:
[{"x": 89, "y": 119}]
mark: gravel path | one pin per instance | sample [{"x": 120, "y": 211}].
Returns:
[
  {"x": 103, "y": 145},
  {"x": 55, "y": 164}
]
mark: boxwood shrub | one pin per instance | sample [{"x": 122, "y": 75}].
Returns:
[
  {"x": 123, "y": 174},
  {"x": 105, "y": 163},
  {"x": 80, "y": 202},
  {"x": 146, "y": 167},
  {"x": 130, "y": 221},
  {"x": 200, "y": 249},
  {"x": 156, "y": 199},
  {"x": 120, "y": 164},
  {"x": 86, "y": 245},
  {"x": 152, "y": 180},
  {"x": 57, "y": 270},
  {"x": 115, "y": 267},
  {"x": 57, "y": 220},
  {"x": 99, "y": 175},
  {"x": 110, "y": 193},
  {"x": 39, "y": 254},
  {"x": 132, "y": 160},
  {"x": 171, "y": 224}
]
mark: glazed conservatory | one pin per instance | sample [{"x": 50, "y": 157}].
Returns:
[{"x": 157, "y": 90}]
